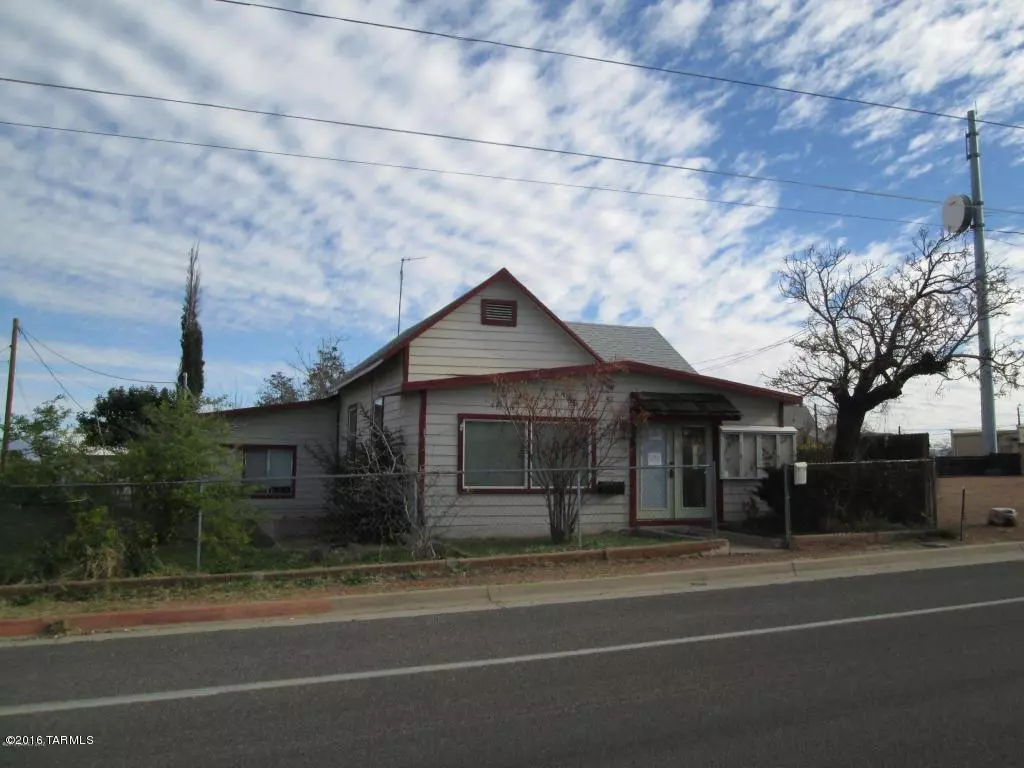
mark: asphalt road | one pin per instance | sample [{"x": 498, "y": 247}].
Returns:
[{"x": 846, "y": 672}]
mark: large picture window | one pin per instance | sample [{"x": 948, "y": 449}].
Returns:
[
  {"x": 269, "y": 470},
  {"x": 749, "y": 452},
  {"x": 495, "y": 457}
]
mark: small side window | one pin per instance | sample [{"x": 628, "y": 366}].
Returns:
[{"x": 353, "y": 427}]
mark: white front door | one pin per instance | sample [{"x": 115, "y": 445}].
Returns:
[{"x": 672, "y": 472}]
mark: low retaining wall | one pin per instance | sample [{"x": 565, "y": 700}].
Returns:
[{"x": 422, "y": 567}]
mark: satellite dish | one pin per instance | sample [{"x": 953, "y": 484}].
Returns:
[{"x": 957, "y": 213}]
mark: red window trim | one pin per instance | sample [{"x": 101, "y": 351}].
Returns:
[
  {"x": 528, "y": 469},
  {"x": 295, "y": 467},
  {"x": 508, "y": 303}
]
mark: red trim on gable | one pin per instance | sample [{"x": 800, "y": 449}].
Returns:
[
  {"x": 557, "y": 320},
  {"x": 441, "y": 314},
  {"x": 405, "y": 365},
  {"x": 456, "y": 382}
]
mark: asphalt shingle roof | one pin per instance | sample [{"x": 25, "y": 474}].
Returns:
[{"x": 627, "y": 342}]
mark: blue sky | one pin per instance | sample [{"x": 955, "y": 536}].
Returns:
[{"x": 95, "y": 231}]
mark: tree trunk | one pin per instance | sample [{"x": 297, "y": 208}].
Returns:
[
  {"x": 849, "y": 422},
  {"x": 558, "y": 518}
]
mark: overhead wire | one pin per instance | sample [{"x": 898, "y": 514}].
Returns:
[
  {"x": 49, "y": 370},
  {"x": 481, "y": 142},
  {"x": 67, "y": 359},
  {"x": 725, "y": 360},
  {"x": 467, "y": 174},
  {"x": 622, "y": 63}
]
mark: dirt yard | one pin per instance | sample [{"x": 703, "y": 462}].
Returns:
[{"x": 983, "y": 493}]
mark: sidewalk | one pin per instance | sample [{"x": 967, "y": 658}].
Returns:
[{"x": 701, "y": 574}]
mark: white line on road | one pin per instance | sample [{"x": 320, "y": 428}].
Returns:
[{"x": 456, "y": 666}]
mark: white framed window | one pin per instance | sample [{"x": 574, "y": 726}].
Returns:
[
  {"x": 494, "y": 455},
  {"x": 747, "y": 453},
  {"x": 559, "y": 446}
]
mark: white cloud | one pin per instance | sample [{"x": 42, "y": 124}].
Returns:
[{"x": 97, "y": 229}]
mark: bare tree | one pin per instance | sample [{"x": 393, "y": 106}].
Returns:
[
  {"x": 569, "y": 427},
  {"x": 376, "y": 498},
  {"x": 873, "y": 327}
]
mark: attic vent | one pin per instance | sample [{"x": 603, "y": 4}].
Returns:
[{"x": 498, "y": 312}]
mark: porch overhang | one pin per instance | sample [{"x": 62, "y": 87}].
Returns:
[{"x": 702, "y": 405}]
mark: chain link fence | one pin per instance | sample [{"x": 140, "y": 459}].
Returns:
[{"x": 229, "y": 523}]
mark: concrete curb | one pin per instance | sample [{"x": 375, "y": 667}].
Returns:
[
  {"x": 429, "y": 567},
  {"x": 508, "y": 595}
]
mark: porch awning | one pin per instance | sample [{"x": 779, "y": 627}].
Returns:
[{"x": 687, "y": 404}]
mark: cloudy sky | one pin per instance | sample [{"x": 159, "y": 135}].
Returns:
[{"x": 94, "y": 231}]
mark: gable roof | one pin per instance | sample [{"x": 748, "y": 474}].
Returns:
[
  {"x": 628, "y": 342},
  {"x": 406, "y": 337},
  {"x": 625, "y": 366}
]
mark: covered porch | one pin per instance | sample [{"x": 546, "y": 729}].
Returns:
[{"x": 690, "y": 461}]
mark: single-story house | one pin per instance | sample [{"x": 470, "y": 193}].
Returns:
[
  {"x": 434, "y": 384},
  {"x": 281, "y": 448}
]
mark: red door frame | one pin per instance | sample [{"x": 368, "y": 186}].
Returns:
[{"x": 634, "y": 502}]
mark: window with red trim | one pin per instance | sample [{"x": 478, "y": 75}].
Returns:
[
  {"x": 494, "y": 454},
  {"x": 498, "y": 312},
  {"x": 269, "y": 470}
]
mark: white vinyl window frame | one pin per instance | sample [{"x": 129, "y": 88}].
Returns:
[
  {"x": 763, "y": 437},
  {"x": 463, "y": 430},
  {"x": 527, "y": 458}
]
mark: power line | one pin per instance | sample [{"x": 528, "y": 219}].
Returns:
[
  {"x": 725, "y": 360},
  {"x": 1005, "y": 242},
  {"x": 468, "y": 174},
  {"x": 482, "y": 142},
  {"x": 622, "y": 63},
  {"x": 93, "y": 370},
  {"x": 50, "y": 371}
]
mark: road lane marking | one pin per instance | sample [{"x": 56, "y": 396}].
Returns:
[{"x": 47, "y": 707}]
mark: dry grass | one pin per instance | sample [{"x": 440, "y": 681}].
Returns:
[{"x": 351, "y": 584}]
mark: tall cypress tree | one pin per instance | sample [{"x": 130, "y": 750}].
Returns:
[{"x": 190, "y": 372}]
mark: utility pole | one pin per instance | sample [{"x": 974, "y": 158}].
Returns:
[
  {"x": 9, "y": 409},
  {"x": 401, "y": 283},
  {"x": 988, "y": 400}
]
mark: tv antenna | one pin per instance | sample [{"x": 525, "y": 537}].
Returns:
[{"x": 401, "y": 283}]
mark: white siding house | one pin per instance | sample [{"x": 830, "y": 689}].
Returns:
[
  {"x": 494, "y": 332},
  {"x": 693, "y": 446},
  {"x": 445, "y": 367}
]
